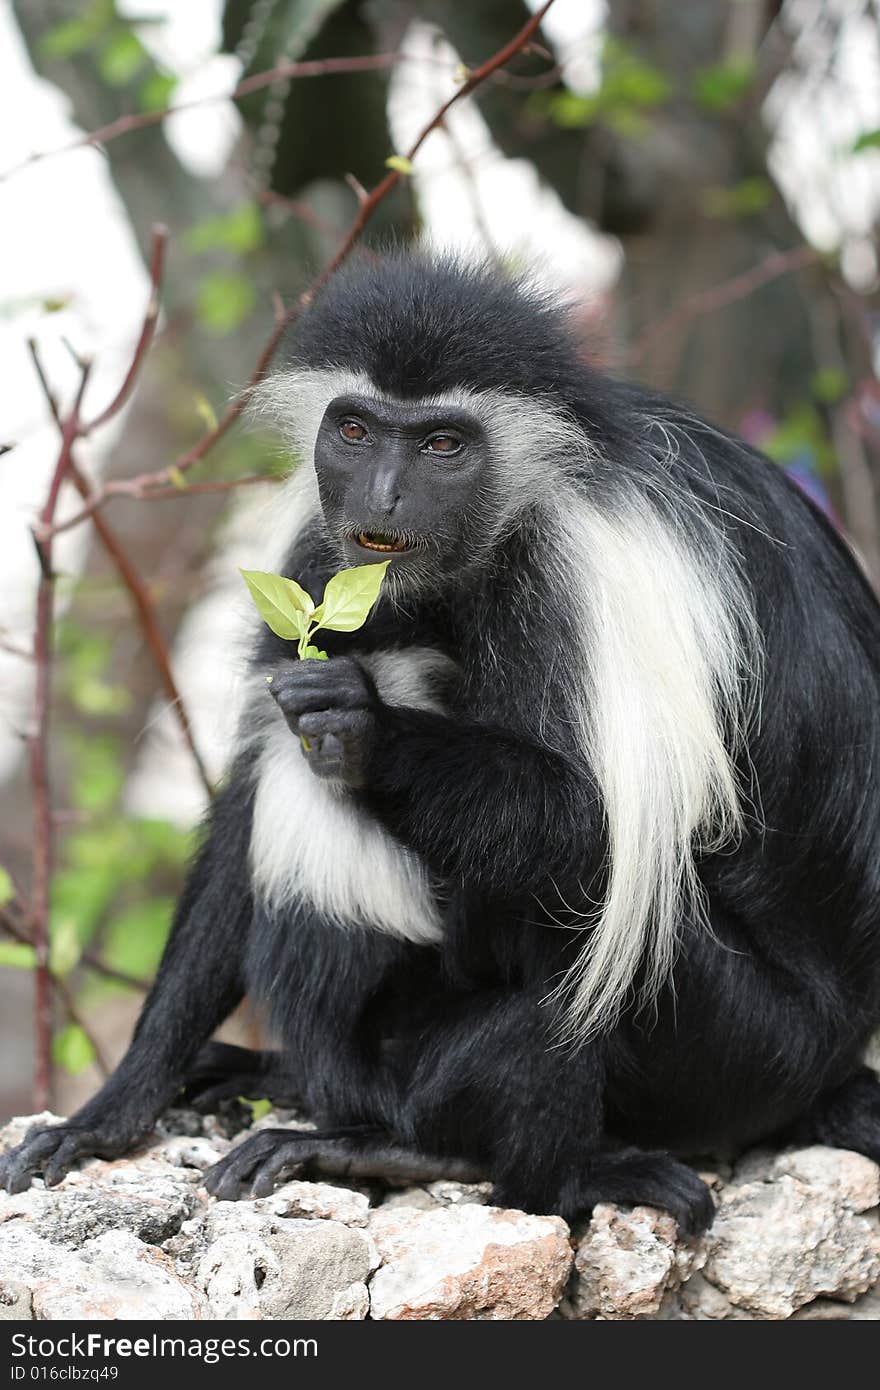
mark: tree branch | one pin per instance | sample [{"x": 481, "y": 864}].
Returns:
[
  {"x": 38, "y": 741},
  {"x": 127, "y": 572},
  {"x": 143, "y": 120},
  {"x": 719, "y": 296},
  {"x": 148, "y": 329},
  {"x": 62, "y": 989}
]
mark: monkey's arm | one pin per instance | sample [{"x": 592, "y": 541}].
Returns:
[
  {"x": 199, "y": 982},
  {"x": 478, "y": 802}
]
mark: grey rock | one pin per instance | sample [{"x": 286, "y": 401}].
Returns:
[
  {"x": 418, "y": 1198},
  {"x": 255, "y": 1262},
  {"x": 196, "y": 1151},
  {"x": 453, "y": 1194},
  {"x": 468, "y": 1261},
  {"x": 114, "y": 1276},
  {"x": 846, "y": 1177},
  {"x": 778, "y": 1245},
  {"x": 321, "y": 1200},
  {"x": 626, "y": 1262},
  {"x": 145, "y": 1196},
  {"x": 351, "y": 1305},
  {"x": 796, "y": 1236},
  {"x": 16, "y": 1301}
]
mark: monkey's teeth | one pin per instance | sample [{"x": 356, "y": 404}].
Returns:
[{"x": 370, "y": 542}]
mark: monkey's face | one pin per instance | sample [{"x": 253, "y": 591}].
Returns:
[{"x": 402, "y": 482}]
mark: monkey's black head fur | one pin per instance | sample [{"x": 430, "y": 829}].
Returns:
[{"x": 417, "y": 326}]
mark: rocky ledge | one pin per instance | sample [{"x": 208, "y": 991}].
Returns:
[{"x": 797, "y": 1235}]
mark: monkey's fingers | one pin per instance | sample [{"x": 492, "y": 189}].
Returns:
[
  {"x": 300, "y": 687},
  {"x": 231, "y": 1178},
  {"x": 637, "y": 1177},
  {"x": 336, "y": 739},
  {"x": 51, "y": 1152}
]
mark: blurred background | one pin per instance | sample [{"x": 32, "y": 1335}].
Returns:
[{"x": 699, "y": 179}]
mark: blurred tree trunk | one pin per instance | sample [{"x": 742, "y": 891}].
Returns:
[{"x": 755, "y": 351}]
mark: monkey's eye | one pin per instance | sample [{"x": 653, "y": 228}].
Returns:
[
  {"x": 442, "y": 443},
  {"x": 353, "y": 431}
]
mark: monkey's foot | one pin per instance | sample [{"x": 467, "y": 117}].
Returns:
[
  {"x": 51, "y": 1151},
  {"x": 848, "y": 1118},
  {"x": 223, "y": 1073},
  {"x": 274, "y": 1155},
  {"x": 629, "y": 1177}
]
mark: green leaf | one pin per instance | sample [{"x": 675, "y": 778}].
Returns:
[
  {"x": 868, "y": 140},
  {"x": 64, "y": 945},
  {"x": 313, "y": 653},
  {"x": 122, "y": 58},
  {"x": 630, "y": 87},
  {"x": 98, "y": 772},
  {"x": 240, "y": 230},
  {"x": 86, "y": 659},
  {"x": 7, "y": 892},
  {"x": 72, "y": 1050},
  {"x": 136, "y": 937},
  {"x": 283, "y": 604},
  {"x": 568, "y": 110},
  {"x": 258, "y": 1108},
  {"x": 399, "y": 163},
  {"x": 67, "y": 39},
  {"x": 80, "y": 897},
  {"x": 720, "y": 87},
  {"x": 156, "y": 91},
  {"x": 743, "y": 199},
  {"x": 223, "y": 299},
  {"x": 206, "y": 411},
  {"x": 74, "y": 36},
  {"x": 829, "y": 385},
  {"x": 16, "y": 955},
  {"x": 349, "y": 596}
]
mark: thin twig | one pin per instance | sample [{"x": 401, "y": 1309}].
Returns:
[
  {"x": 295, "y": 207},
  {"x": 62, "y": 989},
  {"x": 15, "y": 650},
  {"x": 143, "y": 120},
  {"x": 149, "y": 626},
  {"x": 125, "y": 568},
  {"x": 216, "y": 485},
  {"x": 65, "y": 994},
  {"x": 148, "y": 329},
  {"x": 319, "y": 67},
  {"x": 88, "y": 960},
  {"x": 38, "y": 747},
  {"x": 720, "y": 295},
  {"x": 109, "y": 972}
]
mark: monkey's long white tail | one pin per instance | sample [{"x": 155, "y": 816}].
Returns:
[{"x": 670, "y": 645}]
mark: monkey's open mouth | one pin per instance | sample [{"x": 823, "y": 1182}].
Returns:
[{"x": 382, "y": 540}]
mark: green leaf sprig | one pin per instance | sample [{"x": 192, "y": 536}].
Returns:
[{"x": 291, "y": 613}]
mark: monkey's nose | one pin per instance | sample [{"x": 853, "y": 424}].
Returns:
[{"x": 383, "y": 493}]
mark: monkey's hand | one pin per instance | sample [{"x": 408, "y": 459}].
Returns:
[
  {"x": 334, "y": 708},
  {"x": 53, "y": 1150}
]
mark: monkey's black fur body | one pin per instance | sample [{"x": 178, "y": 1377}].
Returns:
[{"x": 399, "y": 1049}]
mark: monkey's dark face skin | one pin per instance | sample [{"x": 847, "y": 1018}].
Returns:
[{"x": 402, "y": 482}]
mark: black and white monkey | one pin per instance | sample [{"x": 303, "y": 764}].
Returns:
[{"x": 581, "y": 872}]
